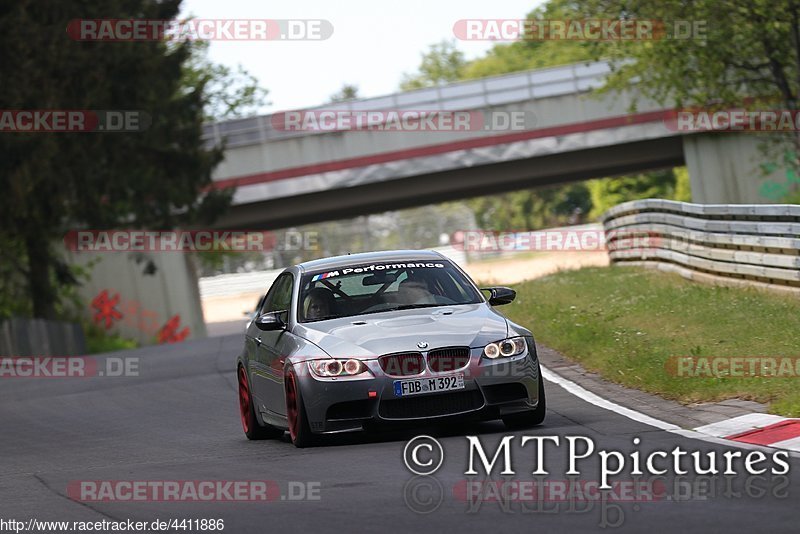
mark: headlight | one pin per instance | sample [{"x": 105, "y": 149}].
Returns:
[
  {"x": 505, "y": 348},
  {"x": 334, "y": 368}
]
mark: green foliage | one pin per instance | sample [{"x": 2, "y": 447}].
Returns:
[
  {"x": 347, "y": 92},
  {"x": 441, "y": 64},
  {"x": 100, "y": 341},
  {"x": 608, "y": 192},
  {"x": 626, "y": 323},
  {"x": 745, "y": 55},
  {"x": 13, "y": 294},
  {"x": 536, "y": 54},
  {"x": 530, "y": 209},
  {"x": 14, "y": 271},
  {"x": 227, "y": 93},
  {"x": 745, "y": 52},
  {"x": 505, "y": 58},
  {"x": 792, "y": 198},
  {"x": 541, "y": 207},
  {"x": 54, "y": 182},
  {"x": 683, "y": 188}
]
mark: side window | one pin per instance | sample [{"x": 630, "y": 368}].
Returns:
[
  {"x": 260, "y": 303},
  {"x": 279, "y": 297}
]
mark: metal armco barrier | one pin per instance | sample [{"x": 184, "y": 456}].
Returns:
[
  {"x": 40, "y": 337},
  {"x": 730, "y": 244}
]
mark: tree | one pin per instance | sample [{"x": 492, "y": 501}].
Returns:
[
  {"x": 441, "y": 64},
  {"x": 529, "y": 209},
  {"x": 608, "y": 192},
  {"x": 534, "y": 53},
  {"x": 227, "y": 93},
  {"x": 535, "y": 208},
  {"x": 744, "y": 54},
  {"x": 347, "y": 92},
  {"x": 742, "y": 51},
  {"x": 52, "y": 182}
]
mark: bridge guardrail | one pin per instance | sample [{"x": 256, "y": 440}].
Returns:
[
  {"x": 731, "y": 244},
  {"x": 457, "y": 96}
]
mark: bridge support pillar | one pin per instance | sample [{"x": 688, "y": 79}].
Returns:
[{"x": 724, "y": 168}]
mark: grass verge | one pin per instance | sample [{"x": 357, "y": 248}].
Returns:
[
  {"x": 630, "y": 325},
  {"x": 99, "y": 341}
]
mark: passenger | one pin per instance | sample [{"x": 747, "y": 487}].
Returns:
[
  {"x": 319, "y": 303},
  {"x": 414, "y": 290}
]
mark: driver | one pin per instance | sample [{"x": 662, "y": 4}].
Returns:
[{"x": 319, "y": 303}]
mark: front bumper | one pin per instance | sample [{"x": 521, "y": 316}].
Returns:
[{"x": 492, "y": 388}]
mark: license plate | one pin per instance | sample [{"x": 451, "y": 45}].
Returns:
[{"x": 419, "y": 386}]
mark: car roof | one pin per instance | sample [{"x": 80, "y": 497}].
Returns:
[{"x": 336, "y": 262}]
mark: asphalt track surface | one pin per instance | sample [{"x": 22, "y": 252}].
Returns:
[{"x": 178, "y": 420}]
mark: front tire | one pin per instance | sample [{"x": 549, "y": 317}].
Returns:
[
  {"x": 299, "y": 430},
  {"x": 530, "y": 418},
  {"x": 252, "y": 429}
]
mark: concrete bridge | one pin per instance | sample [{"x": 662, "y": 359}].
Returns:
[{"x": 285, "y": 178}]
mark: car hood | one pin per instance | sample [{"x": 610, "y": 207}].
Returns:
[{"x": 368, "y": 336}]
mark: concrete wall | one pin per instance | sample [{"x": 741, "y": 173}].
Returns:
[
  {"x": 152, "y": 298},
  {"x": 725, "y": 169}
]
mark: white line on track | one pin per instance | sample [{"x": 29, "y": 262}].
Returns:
[
  {"x": 592, "y": 398},
  {"x": 738, "y": 425}
]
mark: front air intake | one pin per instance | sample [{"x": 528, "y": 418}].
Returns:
[{"x": 402, "y": 364}]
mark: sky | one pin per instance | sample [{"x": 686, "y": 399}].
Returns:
[{"x": 372, "y": 45}]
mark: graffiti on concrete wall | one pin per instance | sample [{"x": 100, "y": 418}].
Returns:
[
  {"x": 109, "y": 310},
  {"x": 775, "y": 190}
]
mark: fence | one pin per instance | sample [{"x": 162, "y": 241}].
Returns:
[
  {"x": 39, "y": 337},
  {"x": 730, "y": 244}
]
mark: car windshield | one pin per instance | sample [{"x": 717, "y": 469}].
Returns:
[{"x": 381, "y": 287}]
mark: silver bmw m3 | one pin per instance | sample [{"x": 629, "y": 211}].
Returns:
[{"x": 351, "y": 342}]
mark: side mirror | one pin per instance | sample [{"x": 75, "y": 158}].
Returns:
[
  {"x": 500, "y": 295},
  {"x": 270, "y": 321}
]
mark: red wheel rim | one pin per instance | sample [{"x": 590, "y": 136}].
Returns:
[
  {"x": 244, "y": 400},
  {"x": 291, "y": 405}
]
